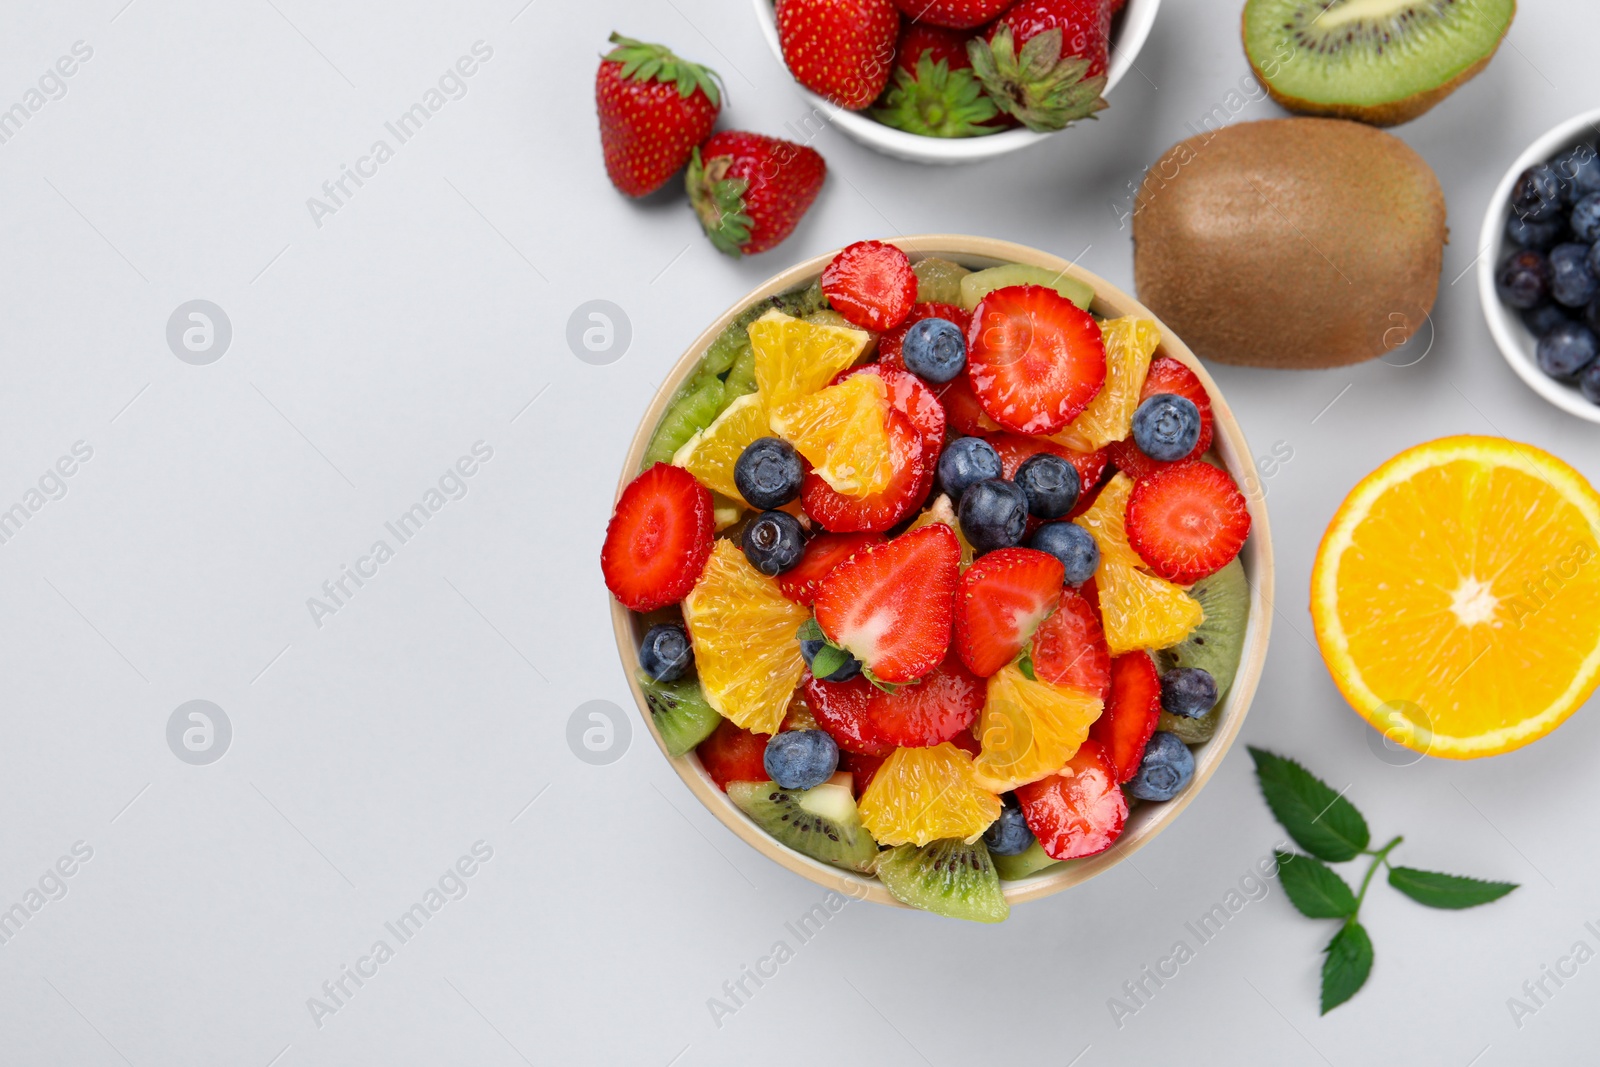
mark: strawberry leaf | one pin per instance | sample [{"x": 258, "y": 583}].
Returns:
[
  {"x": 810, "y": 630},
  {"x": 1320, "y": 820},
  {"x": 1347, "y": 965},
  {"x": 828, "y": 659},
  {"x": 1314, "y": 888},
  {"x": 1451, "y": 891}
]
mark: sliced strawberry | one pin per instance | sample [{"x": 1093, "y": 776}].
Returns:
[
  {"x": 731, "y": 754},
  {"x": 1078, "y": 811},
  {"x": 889, "y": 605},
  {"x": 1003, "y": 598},
  {"x": 841, "y": 709},
  {"x": 1015, "y": 448},
  {"x": 823, "y": 553},
  {"x": 1091, "y": 593},
  {"x": 1069, "y": 647},
  {"x": 1187, "y": 520},
  {"x": 889, "y": 344},
  {"x": 861, "y": 768},
  {"x": 963, "y": 411},
  {"x": 1035, "y": 359},
  {"x": 908, "y": 486},
  {"x": 967, "y": 743},
  {"x": 1124, "y": 728},
  {"x": 658, "y": 539},
  {"x": 1166, "y": 375},
  {"x": 871, "y": 284},
  {"x": 910, "y": 396},
  {"x": 939, "y": 708}
]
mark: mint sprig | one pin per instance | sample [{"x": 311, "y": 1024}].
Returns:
[{"x": 1328, "y": 826}]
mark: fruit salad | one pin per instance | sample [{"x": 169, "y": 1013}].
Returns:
[{"x": 937, "y": 573}]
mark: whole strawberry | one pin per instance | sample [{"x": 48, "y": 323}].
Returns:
[
  {"x": 750, "y": 191},
  {"x": 933, "y": 92},
  {"x": 654, "y": 108},
  {"x": 840, "y": 49},
  {"x": 1044, "y": 61},
  {"x": 956, "y": 14}
]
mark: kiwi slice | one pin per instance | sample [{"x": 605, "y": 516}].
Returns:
[
  {"x": 680, "y": 711},
  {"x": 1030, "y": 860},
  {"x": 1215, "y": 645},
  {"x": 938, "y": 280},
  {"x": 694, "y": 408},
  {"x": 1378, "y": 61},
  {"x": 947, "y": 877},
  {"x": 979, "y": 284},
  {"x": 820, "y": 822}
]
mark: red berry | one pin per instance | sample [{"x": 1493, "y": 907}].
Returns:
[
  {"x": 1069, "y": 647},
  {"x": 862, "y": 769},
  {"x": 1046, "y": 92},
  {"x": 939, "y": 44},
  {"x": 841, "y": 709},
  {"x": 751, "y": 191},
  {"x": 937, "y": 709},
  {"x": 1035, "y": 359},
  {"x": 889, "y": 605},
  {"x": 1078, "y": 811},
  {"x": 654, "y": 108},
  {"x": 1187, "y": 520},
  {"x": 840, "y": 49},
  {"x": 957, "y": 14},
  {"x": 731, "y": 754},
  {"x": 889, "y": 344},
  {"x": 1002, "y": 599},
  {"x": 871, "y": 284},
  {"x": 658, "y": 539},
  {"x": 908, "y": 487},
  {"x": 1124, "y": 728},
  {"x": 912, "y": 397},
  {"x": 963, "y": 411},
  {"x": 823, "y": 553},
  {"x": 1085, "y": 28}
]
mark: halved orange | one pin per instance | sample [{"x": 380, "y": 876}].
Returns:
[
  {"x": 1029, "y": 729},
  {"x": 843, "y": 431},
  {"x": 923, "y": 794},
  {"x": 1456, "y": 596}
]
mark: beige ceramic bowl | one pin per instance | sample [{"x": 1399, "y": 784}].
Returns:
[{"x": 1147, "y": 820}]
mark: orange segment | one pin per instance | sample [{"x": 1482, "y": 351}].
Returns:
[
  {"x": 1105, "y": 521},
  {"x": 1130, "y": 343},
  {"x": 794, "y": 358},
  {"x": 1138, "y": 609},
  {"x": 710, "y": 454},
  {"x": 1029, "y": 729},
  {"x": 742, "y": 628},
  {"x": 924, "y": 794},
  {"x": 1456, "y": 596},
  {"x": 843, "y": 431}
]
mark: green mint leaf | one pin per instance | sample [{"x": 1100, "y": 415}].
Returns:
[
  {"x": 1320, "y": 820},
  {"x": 1314, "y": 888},
  {"x": 829, "y": 658},
  {"x": 1446, "y": 890},
  {"x": 1347, "y": 965},
  {"x": 810, "y": 630}
]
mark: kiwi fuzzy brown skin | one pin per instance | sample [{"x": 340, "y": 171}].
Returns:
[
  {"x": 1392, "y": 113},
  {"x": 1292, "y": 243}
]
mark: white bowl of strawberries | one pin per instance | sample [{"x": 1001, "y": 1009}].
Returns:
[
  {"x": 954, "y": 81},
  {"x": 939, "y": 573}
]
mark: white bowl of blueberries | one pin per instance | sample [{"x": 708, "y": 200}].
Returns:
[{"x": 1540, "y": 287}]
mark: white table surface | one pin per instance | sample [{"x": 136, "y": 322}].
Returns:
[{"x": 424, "y": 715}]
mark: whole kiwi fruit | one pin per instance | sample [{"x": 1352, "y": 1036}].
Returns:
[{"x": 1295, "y": 243}]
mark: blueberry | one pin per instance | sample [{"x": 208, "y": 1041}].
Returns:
[
  {"x": 964, "y": 462},
  {"x": 1571, "y": 281},
  {"x": 1050, "y": 483},
  {"x": 1009, "y": 834},
  {"x": 1546, "y": 317},
  {"x": 1589, "y": 382},
  {"x": 851, "y": 667},
  {"x": 801, "y": 759},
  {"x": 768, "y": 473},
  {"x": 1566, "y": 350},
  {"x": 994, "y": 514},
  {"x": 1523, "y": 281},
  {"x": 1166, "y": 426},
  {"x": 1188, "y": 691},
  {"x": 1578, "y": 170},
  {"x": 1591, "y": 319},
  {"x": 773, "y": 542},
  {"x": 934, "y": 350},
  {"x": 1594, "y": 260},
  {"x": 1585, "y": 219},
  {"x": 1536, "y": 196},
  {"x": 1072, "y": 545},
  {"x": 1539, "y": 235},
  {"x": 665, "y": 654},
  {"x": 1167, "y": 767}
]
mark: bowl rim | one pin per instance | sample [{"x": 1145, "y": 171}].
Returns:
[
  {"x": 1128, "y": 38},
  {"x": 1147, "y": 821},
  {"x": 1505, "y": 326}
]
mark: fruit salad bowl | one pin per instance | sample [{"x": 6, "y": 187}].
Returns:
[{"x": 1246, "y": 598}]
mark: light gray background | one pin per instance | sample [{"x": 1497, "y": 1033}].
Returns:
[{"x": 371, "y": 752}]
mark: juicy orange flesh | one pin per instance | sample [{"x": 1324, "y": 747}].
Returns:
[
  {"x": 1471, "y": 591},
  {"x": 924, "y": 794},
  {"x": 1130, "y": 344},
  {"x": 711, "y": 454},
  {"x": 1029, "y": 729},
  {"x": 794, "y": 358},
  {"x": 1140, "y": 610},
  {"x": 843, "y": 430}
]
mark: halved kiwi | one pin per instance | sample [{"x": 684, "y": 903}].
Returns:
[
  {"x": 938, "y": 280},
  {"x": 947, "y": 877},
  {"x": 1030, "y": 860},
  {"x": 820, "y": 822},
  {"x": 1215, "y": 646},
  {"x": 680, "y": 712},
  {"x": 1378, "y": 61},
  {"x": 979, "y": 284}
]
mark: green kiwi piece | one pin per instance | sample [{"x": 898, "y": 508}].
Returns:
[
  {"x": 1215, "y": 646},
  {"x": 976, "y": 286},
  {"x": 820, "y": 822},
  {"x": 1030, "y": 860},
  {"x": 691, "y": 411},
  {"x": 680, "y": 711},
  {"x": 947, "y": 877},
  {"x": 938, "y": 280},
  {"x": 742, "y": 376},
  {"x": 802, "y": 302}
]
